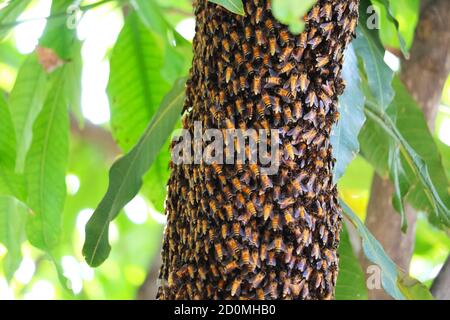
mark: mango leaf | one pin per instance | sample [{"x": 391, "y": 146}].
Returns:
[
  {"x": 136, "y": 86},
  {"x": 402, "y": 125},
  {"x": 63, "y": 41},
  {"x": 399, "y": 179},
  {"x": 369, "y": 49},
  {"x": 25, "y": 103},
  {"x": 10, "y": 183},
  {"x": 7, "y": 137},
  {"x": 12, "y": 233},
  {"x": 9, "y": 14},
  {"x": 391, "y": 18},
  {"x": 234, "y": 6},
  {"x": 394, "y": 281},
  {"x": 345, "y": 135},
  {"x": 125, "y": 176},
  {"x": 45, "y": 167},
  {"x": 177, "y": 51},
  {"x": 351, "y": 283},
  {"x": 291, "y": 13}
]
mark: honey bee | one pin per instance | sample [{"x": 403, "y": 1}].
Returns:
[
  {"x": 228, "y": 74},
  {"x": 288, "y": 217},
  {"x": 251, "y": 208},
  {"x": 284, "y": 94},
  {"x": 259, "y": 37},
  {"x": 309, "y": 136},
  {"x": 236, "y": 287},
  {"x": 285, "y": 54},
  {"x": 284, "y": 36},
  {"x": 257, "y": 54},
  {"x": 243, "y": 85},
  {"x": 307, "y": 273},
  {"x": 234, "y": 36},
  {"x": 287, "y": 68},
  {"x": 257, "y": 85},
  {"x": 297, "y": 110},
  {"x": 263, "y": 251},
  {"x": 325, "y": 99},
  {"x": 224, "y": 231},
  {"x": 230, "y": 266},
  {"x": 248, "y": 33},
  {"x": 287, "y": 113},
  {"x": 314, "y": 14},
  {"x": 311, "y": 99},
  {"x": 258, "y": 14},
  {"x": 272, "y": 80},
  {"x": 266, "y": 183},
  {"x": 245, "y": 217},
  {"x": 286, "y": 287},
  {"x": 254, "y": 169},
  {"x": 229, "y": 212},
  {"x": 326, "y": 11},
  {"x": 245, "y": 257},
  {"x": 322, "y": 61},
  {"x": 315, "y": 42},
  {"x": 327, "y": 28},
  {"x": 290, "y": 151},
  {"x": 271, "y": 259},
  {"x": 273, "y": 45},
  {"x": 277, "y": 244},
  {"x": 288, "y": 253},
  {"x": 275, "y": 222},
  {"x": 315, "y": 252},
  {"x": 239, "y": 59},
  {"x": 257, "y": 279},
  {"x": 286, "y": 202},
  {"x": 226, "y": 45},
  {"x": 219, "y": 251},
  {"x": 260, "y": 294}
]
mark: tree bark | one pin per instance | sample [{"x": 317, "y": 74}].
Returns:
[
  {"x": 233, "y": 230},
  {"x": 424, "y": 74},
  {"x": 441, "y": 285}
]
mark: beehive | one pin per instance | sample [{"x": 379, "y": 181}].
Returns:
[{"x": 232, "y": 232}]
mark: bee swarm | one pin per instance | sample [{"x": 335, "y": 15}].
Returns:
[{"x": 232, "y": 232}]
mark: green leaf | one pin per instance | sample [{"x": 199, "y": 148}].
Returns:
[
  {"x": 403, "y": 126},
  {"x": 398, "y": 177},
  {"x": 9, "y": 14},
  {"x": 345, "y": 135},
  {"x": 7, "y": 137},
  {"x": 25, "y": 103},
  {"x": 234, "y": 6},
  {"x": 369, "y": 48},
  {"x": 10, "y": 182},
  {"x": 177, "y": 51},
  {"x": 57, "y": 35},
  {"x": 155, "y": 180},
  {"x": 125, "y": 176},
  {"x": 12, "y": 234},
  {"x": 391, "y": 18},
  {"x": 46, "y": 166},
  {"x": 136, "y": 86},
  {"x": 351, "y": 282},
  {"x": 291, "y": 13},
  {"x": 394, "y": 281}
]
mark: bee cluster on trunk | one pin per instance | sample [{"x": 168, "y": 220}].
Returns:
[{"x": 233, "y": 232}]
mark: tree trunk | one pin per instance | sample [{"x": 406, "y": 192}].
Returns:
[
  {"x": 424, "y": 74},
  {"x": 441, "y": 285},
  {"x": 234, "y": 230}
]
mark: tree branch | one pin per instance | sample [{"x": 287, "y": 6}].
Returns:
[{"x": 441, "y": 285}]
